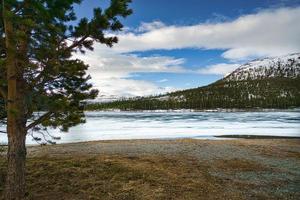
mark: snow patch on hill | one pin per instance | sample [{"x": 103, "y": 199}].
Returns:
[{"x": 287, "y": 66}]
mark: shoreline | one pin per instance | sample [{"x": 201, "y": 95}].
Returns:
[
  {"x": 257, "y": 137},
  {"x": 161, "y": 146},
  {"x": 208, "y": 138},
  {"x": 294, "y": 109}
]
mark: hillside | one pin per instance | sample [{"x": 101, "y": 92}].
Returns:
[
  {"x": 287, "y": 66},
  {"x": 264, "y": 83}
]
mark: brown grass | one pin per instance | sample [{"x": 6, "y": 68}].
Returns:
[
  {"x": 115, "y": 177},
  {"x": 71, "y": 172},
  {"x": 239, "y": 165}
]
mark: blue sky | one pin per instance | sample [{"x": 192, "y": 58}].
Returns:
[{"x": 169, "y": 45}]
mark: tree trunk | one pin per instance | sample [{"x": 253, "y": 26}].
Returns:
[
  {"x": 16, "y": 115},
  {"x": 15, "y": 182}
]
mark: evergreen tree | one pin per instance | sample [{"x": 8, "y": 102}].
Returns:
[{"x": 38, "y": 73}]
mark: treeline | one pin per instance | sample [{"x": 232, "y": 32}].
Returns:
[{"x": 268, "y": 93}]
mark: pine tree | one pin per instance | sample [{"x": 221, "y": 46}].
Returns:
[{"x": 38, "y": 72}]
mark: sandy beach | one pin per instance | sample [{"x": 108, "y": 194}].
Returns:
[{"x": 164, "y": 169}]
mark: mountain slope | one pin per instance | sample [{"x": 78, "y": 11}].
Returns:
[
  {"x": 264, "y": 83},
  {"x": 277, "y": 67}
]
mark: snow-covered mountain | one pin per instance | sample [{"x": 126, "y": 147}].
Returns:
[{"x": 287, "y": 66}]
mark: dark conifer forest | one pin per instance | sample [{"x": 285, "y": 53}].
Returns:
[{"x": 246, "y": 94}]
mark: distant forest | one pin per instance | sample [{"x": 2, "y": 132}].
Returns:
[{"x": 264, "y": 93}]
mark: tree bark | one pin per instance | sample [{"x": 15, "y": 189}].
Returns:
[
  {"x": 15, "y": 182},
  {"x": 16, "y": 118}
]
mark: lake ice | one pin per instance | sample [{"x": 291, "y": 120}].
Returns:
[{"x": 155, "y": 125}]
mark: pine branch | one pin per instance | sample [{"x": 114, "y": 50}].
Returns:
[
  {"x": 39, "y": 120},
  {"x": 76, "y": 43},
  {"x": 3, "y": 93}
]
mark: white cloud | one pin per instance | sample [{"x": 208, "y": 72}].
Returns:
[
  {"x": 112, "y": 72},
  {"x": 150, "y": 26},
  {"x": 120, "y": 87},
  {"x": 107, "y": 63},
  {"x": 218, "y": 69},
  {"x": 269, "y": 32},
  {"x": 163, "y": 80}
]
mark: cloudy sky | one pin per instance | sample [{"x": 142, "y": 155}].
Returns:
[{"x": 170, "y": 45}]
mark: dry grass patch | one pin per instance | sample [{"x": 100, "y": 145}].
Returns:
[
  {"x": 68, "y": 175},
  {"x": 239, "y": 165},
  {"x": 115, "y": 177}
]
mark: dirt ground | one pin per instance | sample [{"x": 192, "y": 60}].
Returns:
[{"x": 164, "y": 169}]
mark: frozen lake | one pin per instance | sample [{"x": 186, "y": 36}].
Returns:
[{"x": 150, "y": 125}]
